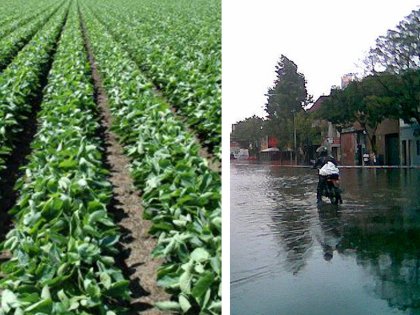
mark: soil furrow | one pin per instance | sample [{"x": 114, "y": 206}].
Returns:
[
  {"x": 205, "y": 151},
  {"x": 136, "y": 243}
]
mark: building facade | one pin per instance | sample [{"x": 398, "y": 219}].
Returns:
[{"x": 409, "y": 144}]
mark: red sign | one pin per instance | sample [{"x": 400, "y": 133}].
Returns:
[{"x": 272, "y": 142}]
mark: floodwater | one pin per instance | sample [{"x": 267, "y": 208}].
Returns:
[{"x": 290, "y": 257}]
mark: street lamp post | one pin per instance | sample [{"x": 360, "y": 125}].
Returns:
[{"x": 294, "y": 136}]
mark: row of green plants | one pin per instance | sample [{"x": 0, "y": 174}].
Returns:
[
  {"x": 181, "y": 195},
  {"x": 11, "y": 11},
  {"x": 21, "y": 81},
  {"x": 64, "y": 241},
  {"x": 178, "y": 46},
  {"x": 14, "y": 42},
  {"x": 22, "y": 19}
]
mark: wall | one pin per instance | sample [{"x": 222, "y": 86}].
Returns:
[
  {"x": 348, "y": 148},
  {"x": 410, "y": 135}
]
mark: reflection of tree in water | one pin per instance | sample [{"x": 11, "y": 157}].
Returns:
[
  {"x": 291, "y": 221},
  {"x": 293, "y": 226},
  {"x": 388, "y": 246},
  {"x": 379, "y": 224}
]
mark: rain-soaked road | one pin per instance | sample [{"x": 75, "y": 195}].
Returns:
[{"x": 290, "y": 257}]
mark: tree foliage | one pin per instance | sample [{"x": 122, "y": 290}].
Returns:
[
  {"x": 396, "y": 61},
  {"x": 286, "y": 98},
  {"x": 392, "y": 87},
  {"x": 305, "y": 131},
  {"x": 368, "y": 102},
  {"x": 399, "y": 49},
  {"x": 248, "y": 131}
]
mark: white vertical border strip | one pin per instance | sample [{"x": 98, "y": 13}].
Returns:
[{"x": 226, "y": 4}]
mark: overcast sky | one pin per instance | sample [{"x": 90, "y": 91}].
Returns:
[{"x": 325, "y": 38}]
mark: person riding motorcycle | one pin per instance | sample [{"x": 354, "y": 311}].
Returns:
[{"x": 323, "y": 159}]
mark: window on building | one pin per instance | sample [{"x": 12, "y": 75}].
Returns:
[{"x": 418, "y": 147}]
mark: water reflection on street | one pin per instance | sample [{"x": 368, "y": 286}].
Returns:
[{"x": 289, "y": 256}]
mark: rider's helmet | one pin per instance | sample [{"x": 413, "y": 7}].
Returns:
[{"x": 322, "y": 151}]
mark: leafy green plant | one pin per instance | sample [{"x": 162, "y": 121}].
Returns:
[
  {"x": 21, "y": 81},
  {"x": 22, "y": 19},
  {"x": 10, "y": 45},
  {"x": 178, "y": 46},
  {"x": 15, "y": 13},
  {"x": 63, "y": 242},
  {"x": 181, "y": 195}
]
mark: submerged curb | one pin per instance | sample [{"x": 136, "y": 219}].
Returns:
[{"x": 340, "y": 166}]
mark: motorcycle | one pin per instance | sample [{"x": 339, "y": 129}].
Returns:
[{"x": 332, "y": 189}]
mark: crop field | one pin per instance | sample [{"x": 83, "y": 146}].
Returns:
[{"x": 110, "y": 152}]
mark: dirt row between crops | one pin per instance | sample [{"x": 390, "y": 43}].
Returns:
[
  {"x": 136, "y": 243},
  {"x": 205, "y": 152}
]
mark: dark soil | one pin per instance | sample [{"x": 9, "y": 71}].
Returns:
[
  {"x": 136, "y": 243},
  {"x": 205, "y": 151}
]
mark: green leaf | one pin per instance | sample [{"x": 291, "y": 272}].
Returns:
[
  {"x": 93, "y": 290},
  {"x": 119, "y": 289},
  {"x": 19, "y": 311},
  {"x": 95, "y": 205},
  {"x": 9, "y": 300},
  {"x": 105, "y": 280},
  {"x": 82, "y": 182},
  {"x": 96, "y": 216},
  {"x": 168, "y": 282},
  {"x": 203, "y": 283},
  {"x": 68, "y": 164},
  {"x": 168, "y": 306},
  {"x": 109, "y": 241},
  {"x": 45, "y": 294},
  {"x": 64, "y": 183},
  {"x": 52, "y": 185},
  {"x": 185, "y": 282},
  {"x": 161, "y": 226},
  {"x": 43, "y": 306},
  {"x": 200, "y": 255},
  {"x": 216, "y": 306},
  {"x": 184, "y": 303}
]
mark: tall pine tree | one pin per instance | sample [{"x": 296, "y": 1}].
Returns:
[{"x": 286, "y": 98}]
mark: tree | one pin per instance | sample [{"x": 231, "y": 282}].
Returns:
[
  {"x": 398, "y": 54},
  {"x": 286, "y": 98},
  {"x": 306, "y": 134},
  {"x": 249, "y": 132},
  {"x": 399, "y": 49},
  {"x": 367, "y": 102}
]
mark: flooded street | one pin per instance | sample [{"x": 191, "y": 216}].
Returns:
[{"x": 290, "y": 257}]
